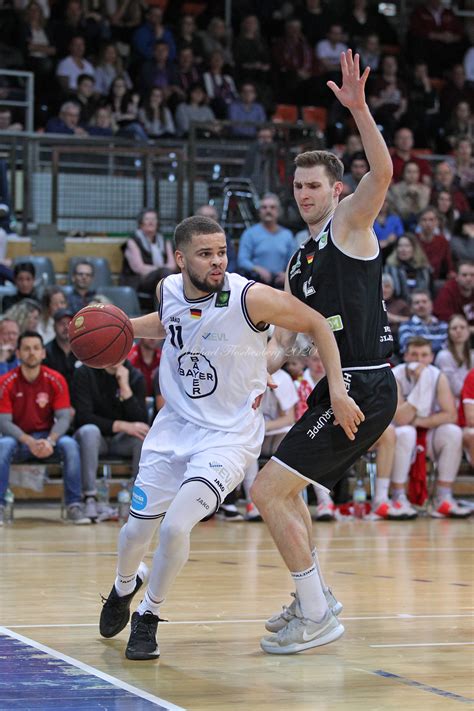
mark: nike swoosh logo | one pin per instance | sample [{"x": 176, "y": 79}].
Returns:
[{"x": 309, "y": 637}]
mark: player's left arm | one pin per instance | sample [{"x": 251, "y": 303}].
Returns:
[
  {"x": 267, "y": 305},
  {"x": 355, "y": 214}
]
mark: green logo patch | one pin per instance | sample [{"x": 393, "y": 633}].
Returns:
[
  {"x": 222, "y": 299},
  {"x": 335, "y": 323}
]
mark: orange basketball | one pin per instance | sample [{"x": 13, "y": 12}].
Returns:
[{"x": 101, "y": 335}]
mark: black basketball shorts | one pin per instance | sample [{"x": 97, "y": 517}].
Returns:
[{"x": 321, "y": 452}]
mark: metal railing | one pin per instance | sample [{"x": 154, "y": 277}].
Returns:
[{"x": 27, "y": 79}]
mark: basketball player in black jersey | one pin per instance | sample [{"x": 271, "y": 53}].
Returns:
[{"x": 338, "y": 272}]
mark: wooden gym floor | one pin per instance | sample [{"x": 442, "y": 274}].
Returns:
[{"x": 407, "y": 590}]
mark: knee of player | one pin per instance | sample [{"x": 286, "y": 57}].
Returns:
[{"x": 173, "y": 530}]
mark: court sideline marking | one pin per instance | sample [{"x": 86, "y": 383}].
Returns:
[
  {"x": 91, "y": 670},
  {"x": 423, "y": 687}
]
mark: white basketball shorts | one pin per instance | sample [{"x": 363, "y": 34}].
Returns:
[{"x": 176, "y": 450}]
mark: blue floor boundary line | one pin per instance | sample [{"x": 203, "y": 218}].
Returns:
[
  {"x": 424, "y": 687},
  {"x": 49, "y": 655}
]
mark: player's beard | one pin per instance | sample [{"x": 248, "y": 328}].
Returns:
[{"x": 203, "y": 284}]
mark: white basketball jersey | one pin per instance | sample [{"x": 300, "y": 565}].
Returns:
[{"x": 213, "y": 364}]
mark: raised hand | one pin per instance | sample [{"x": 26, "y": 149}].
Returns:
[{"x": 352, "y": 92}]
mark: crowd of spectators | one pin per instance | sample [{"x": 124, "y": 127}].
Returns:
[{"x": 144, "y": 71}]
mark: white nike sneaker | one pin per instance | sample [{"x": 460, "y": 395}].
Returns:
[
  {"x": 301, "y": 634},
  {"x": 281, "y": 619}
]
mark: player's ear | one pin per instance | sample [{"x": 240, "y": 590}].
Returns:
[
  {"x": 338, "y": 188},
  {"x": 178, "y": 255}
]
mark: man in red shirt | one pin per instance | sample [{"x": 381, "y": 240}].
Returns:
[
  {"x": 466, "y": 415},
  {"x": 145, "y": 356},
  {"x": 35, "y": 414},
  {"x": 435, "y": 245},
  {"x": 402, "y": 154},
  {"x": 457, "y": 295}
]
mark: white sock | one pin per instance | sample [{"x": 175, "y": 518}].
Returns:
[
  {"x": 399, "y": 495},
  {"x": 125, "y": 584},
  {"x": 322, "y": 496},
  {"x": 314, "y": 554},
  {"x": 310, "y": 594},
  {"x": 149, "y": 604},
  {"x": 381, "y": 489},
  {"x": 443, "y": 492}
]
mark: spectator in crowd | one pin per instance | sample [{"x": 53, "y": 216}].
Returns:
[
  {"x": 26, "y": 313},
  {"x": 35, "y": 415},
  {"x": 123, "y": 106},
  {"x": 252, "y": 54},
  {"x": 145, "y": 37},
  {"x": 158, "y": 71},
  {"x": 145, "y": 356},
  {"x": 370, "y": 52},
  {"x": 398, "y": 311},
  {"x": 247, "y": 108},
  {"x": 434, "y": 244},
  {"x": 408, "y": 266},
  {"x": 266, "y": 247},
  {"x": 194, "y": 109},
  {"x": 67, "y": 121},
  {"x": 59, "y": 355},
  {"x": 388, "y": 227},
  {"x": 468, "y": 65},
  {"x": 328, "y": 53},
  {"x": 403, "y": 143},
  {"x": 24, "y": 275},
  {"x": 39, "y": 49},
  {"x": 101, "y": 122},
  {"x": 448, "y": 215},
  {"x": 460, "y": 125},
  {"x": 188, "y": 37},
  {"x": 147, "y": 256},
  {"x": 457, "y": 359},
  {"x": 315, "y": 16},
  {"x": 362, "y": 19},
  {"x": 186, "y": 74},
  {"x": 457, "y": 295},
  {"x": 423, "y": 106},
  {"x": 278, "y": 408},
  {"x": 211, "y": 212},
  {"x": 70, "y": 68},
  {"x": 53, "y": 298},
  {"x": 455, "y": 90},
  {"x": 220, "y": 87},
  {"x": 260, "y": 163},
  {"x": 436, "y": 34},
  {"x": 217, "y": 37},
  {"x": 125, "y": 16},
  {"x": 71, "y": 19},
  {"x": 81, "y": 279},
  {"x": 112, "y": 418},
  {"x": 423, "y": 323},
  {"x": 462, "y": 242},
  {"x": 6, "y": 121},
  {"x": 109, "y": 67},
  {"x": 9, "y": 333},
  {"x": 387, "y": 97},
  {"x": 358, "y": 167},
  {"x": 155, "y": 116},
  {"x": 464, "y": 167},
  {"x": 293, "y": 58},
  {"x": 85, "y": 97},
  {"x": 427, "y": 406},
  {"x": 410, "y": 196},
  {"x": 466, "y": 416},
  {"x": 352, "y": 145},
  {"x": 443, "y": 179}
]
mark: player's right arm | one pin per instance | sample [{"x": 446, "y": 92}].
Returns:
[
  {"x": 149, "y": 326},
  {"x": 267, "y": 305}
]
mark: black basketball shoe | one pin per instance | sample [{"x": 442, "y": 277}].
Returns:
[
  {"x": 116, "y": 609},
  {"x": 142, "y": 642}
]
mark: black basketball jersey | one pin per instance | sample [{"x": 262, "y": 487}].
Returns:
[{"x": 348, "y": 292}]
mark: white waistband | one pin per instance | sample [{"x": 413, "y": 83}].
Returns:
[{"x": 367, "y": 367}]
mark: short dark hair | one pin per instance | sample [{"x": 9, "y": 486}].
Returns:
[
  {"x": 418, "y": 342},
  {"x": 83, "y": 77},
  {"x": 24, "y": 267},
  {"x": 464, "y": 263},
  {"x": 30, "y": 334},
  {"x": 195, "y": 225},
  {"x": 333, "y": 166},
  {"x": 87, "y": 263},
  {"x": 418, "y": 292}
]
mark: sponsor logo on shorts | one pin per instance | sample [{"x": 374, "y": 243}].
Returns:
[
  {"x": 322, "y": 420},
  {"x": 139, "y": 499},
  {"x": 215, "y": 465}
]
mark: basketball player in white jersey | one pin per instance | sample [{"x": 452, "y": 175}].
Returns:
[
  {"x": 337, "y": 272},
  {"x": 212, "y": 369}
]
